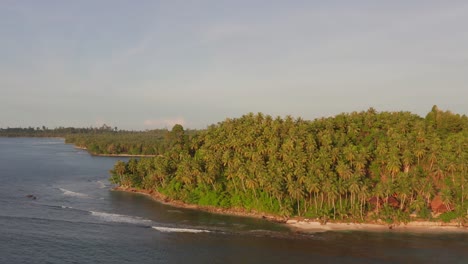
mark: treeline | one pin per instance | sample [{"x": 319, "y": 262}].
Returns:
[
  {"x": 352, "y": 167},
  {"x": 106, "y": 140},
  {"x": 153, "y": 142},
  {"x": 54, "y": 132}
]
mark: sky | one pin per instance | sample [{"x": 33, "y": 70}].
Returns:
[{"x": 151, "y": 64}]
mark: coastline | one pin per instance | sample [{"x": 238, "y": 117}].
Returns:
[
  {"x": 412, "y": 227},
  {"x": 306, "y": 225},
  {"x": 121, "y": 155},
  {"x": 158, "y": 197},
  {"x": 84, "y": 148},
  {"x": 113, "y": 155}
]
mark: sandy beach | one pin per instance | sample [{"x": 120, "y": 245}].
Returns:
[{"x": 414, "y": 226}]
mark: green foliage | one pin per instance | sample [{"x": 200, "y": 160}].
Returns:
[
  {"x": 236, "y": 200},
  {"x": 193, "y": 197},
  {"x": 448, "y": 216},
  {"x": 445, "y": 122},
  {"x": 395, "y": 215},
  {"x": 388, "y": 214},
  {"x": 350, "y": 166},
  {"x": 425, "y": 213},
  {"x": 56, "y": 132},
  {"x": 154, "y": 142},
  {"x": 209, "y": 198}
]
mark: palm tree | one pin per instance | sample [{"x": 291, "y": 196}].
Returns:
[
  {"x": 447, "y": 197},
  {"x": 379, "y": 192},
  {"x": 354, "y": 189},
  {"x": 403, "y": 189},
  {"x": 331, "y": 191},
  {"x": 393, "y": 163},
  {"x": 313, "y": 186},
  {"x": 407, "y": 160},
  {"x": 296, "y": 192},
  {"x": 119, "y": 171},
  {"x": 341, "y": 189},
  {"x": 363, "y": 196},
  {"x": 360, "y": 163},
  {"x": 419, "y": 151},
  {"x": 343, "y": 170}
]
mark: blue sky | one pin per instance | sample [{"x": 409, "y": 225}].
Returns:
[{"x": 150, "y": 64}]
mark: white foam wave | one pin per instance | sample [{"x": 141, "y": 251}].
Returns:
[
  {"x": 118, "y": 218},
  {"x": 66, "y": 207},
  {"x": 71, "y": 193},
  {"x": 179, "y": 230},
  {"x": 101, "y": 184},
  {"x": 47, "y": 142}
]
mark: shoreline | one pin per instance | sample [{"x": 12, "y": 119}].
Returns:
[
  {"x": 112, "y": 155},
  {"x": 411, "y": 227},
  {"x": 84, "y": 148},
  {"x": 306, "y": 225},
  {"x": 122, "y": 155},
  {"x": 161, "y": 198}
]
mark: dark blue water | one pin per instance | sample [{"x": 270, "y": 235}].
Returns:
[{"x": 75, "y": 218}]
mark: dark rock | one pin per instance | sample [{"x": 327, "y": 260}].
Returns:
[{"x": 30, "y": 196}]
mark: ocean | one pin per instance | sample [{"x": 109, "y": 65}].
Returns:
[{"x": 56, "y": 206}]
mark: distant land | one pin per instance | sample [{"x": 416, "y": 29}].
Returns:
[{"x": 104, "y": 140}]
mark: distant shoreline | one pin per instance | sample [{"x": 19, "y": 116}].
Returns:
[
  {"x": 122, "y": 155},
  {"x": 113, "y": 155},
  {"x": 92, "y": 154},
  {"x": 82, "y": 148},
  {"x": 305, "y": 225},
  {"x": 3, "y": 136}
]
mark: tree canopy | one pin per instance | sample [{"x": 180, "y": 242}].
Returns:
[{"x": 356, "y": 166}]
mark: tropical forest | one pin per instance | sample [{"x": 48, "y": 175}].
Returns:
[{"x": 352, "y": 167}]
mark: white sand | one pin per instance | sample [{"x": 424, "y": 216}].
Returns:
[{"x": 313, "y": 226}]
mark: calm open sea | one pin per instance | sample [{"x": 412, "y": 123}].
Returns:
[{"x": 75, "y": 218}]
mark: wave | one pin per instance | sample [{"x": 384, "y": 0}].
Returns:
[
  {"x": 101, "y": 185},
  {"x": 48, "y": 221},
  {"x": 57, "y": 206},
  {"x": 62, "y": 207},
  {"x": 71, "y": 193},
  {"x": 47, "y": 142},
  {"x": 118, "y": 218},
  {"x": 179, "y": 230}
]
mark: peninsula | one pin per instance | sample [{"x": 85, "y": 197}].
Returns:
[{"x": 385, "y": 168}]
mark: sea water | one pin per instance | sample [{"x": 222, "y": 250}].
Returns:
[{"x": 56, "y": 207}]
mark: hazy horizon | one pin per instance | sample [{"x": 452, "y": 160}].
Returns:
[
  {"x": 171, "y": 123},
  {"x": 156, "y": 63}
]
